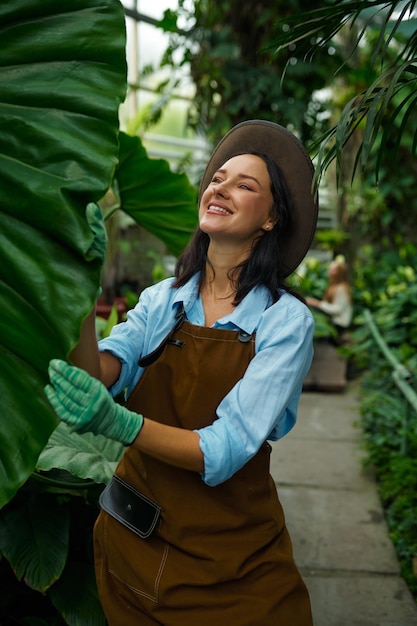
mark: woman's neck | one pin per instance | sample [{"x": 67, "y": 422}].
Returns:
[
  {"x": 218, "y": 294},
  {"x": 217, "y": 282},
  {"x": 218, "y": 291},
  {"x": 221, "y": 271}
]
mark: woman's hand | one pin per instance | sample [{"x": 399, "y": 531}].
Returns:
[
  {"x": 84, "y": 403},
  {"x": 313, "y": 302}
]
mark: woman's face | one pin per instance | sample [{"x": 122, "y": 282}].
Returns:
[
  {"x": 335, "y": 271},
  {"x": 237, "y": 204}
]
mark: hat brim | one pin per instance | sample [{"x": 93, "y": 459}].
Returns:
[{"x": 295, "y": 164}]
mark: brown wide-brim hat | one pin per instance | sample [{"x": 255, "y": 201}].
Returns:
[{"x": 295, "y": 164}]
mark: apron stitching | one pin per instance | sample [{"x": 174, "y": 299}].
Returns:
[
  {"x": 222, "y": 339},
  {"x": 160, "y": 572},
  {"x": 153, "y": 597},
  {"x": 132, "y": 588}
]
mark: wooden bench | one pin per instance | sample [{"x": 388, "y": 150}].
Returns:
[{"x": 328, "y": 370}]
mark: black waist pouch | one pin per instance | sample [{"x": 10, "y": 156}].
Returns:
[{"x": 130, "y": 507}]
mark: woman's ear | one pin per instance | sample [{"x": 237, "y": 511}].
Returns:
[{"x": 269, "y": 224}]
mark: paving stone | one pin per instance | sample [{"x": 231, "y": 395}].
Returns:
[{"x": 360, "y": 600}]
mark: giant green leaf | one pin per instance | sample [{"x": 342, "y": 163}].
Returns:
[
  {"x": 62, "y": 77},
  {"x": 161, "y": 201},
  {"x": 34, "y": 536},
  {"x": 84, "y": 608},
  {"x": 86, "y": 456}
]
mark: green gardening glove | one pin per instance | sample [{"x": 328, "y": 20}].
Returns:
[
  {"x": 84, "y": 403},
  {"x": 95, "y": 220}
]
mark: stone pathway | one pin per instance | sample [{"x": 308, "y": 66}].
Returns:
[{"x": 335, "y": 519}]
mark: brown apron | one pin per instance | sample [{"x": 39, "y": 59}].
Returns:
[{"x": 219, "y": 555}]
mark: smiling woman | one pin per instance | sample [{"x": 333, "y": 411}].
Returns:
[
  {"x": 240, "y": 195},
  {"x": 213, "y": 360},
  {"x": 236, "y": 210}
]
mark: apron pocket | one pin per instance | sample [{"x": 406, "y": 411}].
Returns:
[{"x": 130, "y": 507}]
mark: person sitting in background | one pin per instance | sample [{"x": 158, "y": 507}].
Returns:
[{"x": 337, "y": 299}]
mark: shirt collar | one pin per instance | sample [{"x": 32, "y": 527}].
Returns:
[
  {"x": 245, "y": 316},
  {"x": 187, "y": 294}
]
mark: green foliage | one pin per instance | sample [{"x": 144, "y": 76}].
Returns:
[
  {"x": 385, "y": 282},
  {"x": 331, "y": 239},
  {"x": 89, "y": 457},
  {"x": 46, "y": 533},
  {"x": 46, "y": 237},
  {"x": 225, "y": 45},
  {"x": 310, "y": 279},
  {"x": 384, "y": 106},
  {"x": 385, "y": 215},
  {"x": 63, "y": 75},
  {"x": 104, "y": 326},
  {"x": 34, "y": 539},
  {"x": 388, "y": 285},
  {"x": 163, "y": 202},
  {"x": 389, "y": 423},
  {"x": 87, "y": 609}
]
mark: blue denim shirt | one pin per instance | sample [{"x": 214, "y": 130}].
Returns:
[{"x": 263, "y": 404}]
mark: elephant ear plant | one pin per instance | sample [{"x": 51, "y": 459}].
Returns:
[{"x": 62, "y": 76}]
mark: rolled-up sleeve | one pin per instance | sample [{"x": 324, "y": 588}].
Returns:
[
  {"x": 145, "y": 327},
  {"x": 263, "y": 404},
  {"x": 125, "y": 342}
]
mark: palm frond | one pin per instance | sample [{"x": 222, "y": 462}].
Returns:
[
  {"x": 313, "y": 30},
  {"x": 373, "y": 109}
]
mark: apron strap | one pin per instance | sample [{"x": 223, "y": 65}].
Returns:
[{"x": 150, "y": 358}]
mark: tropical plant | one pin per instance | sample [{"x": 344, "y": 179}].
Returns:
[
  {"x": 46, "y": 534},
  {"x": 387, "y": 287},
  {"x": 385, "y": 106},
  {"x": 63, "y": 76},
  {"x": 161, "y": 201},
  {"x": 226, "y": 47}
]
